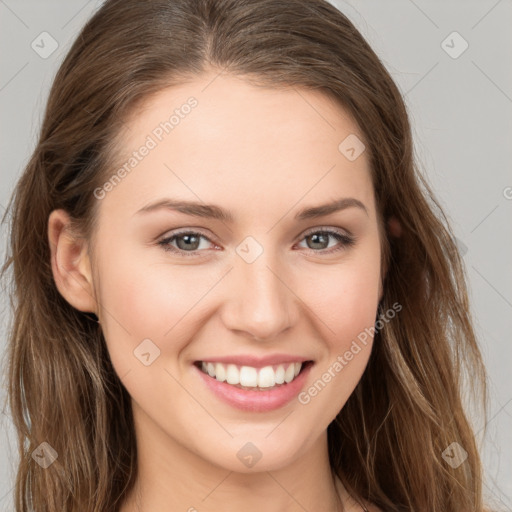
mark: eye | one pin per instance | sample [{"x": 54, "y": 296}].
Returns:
[
  {"x": 319, "y": 237},
  {"x": 188, "y": 243}
]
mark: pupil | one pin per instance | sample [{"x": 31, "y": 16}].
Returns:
[
  {"x": 315, "y": 238},
  {"x": 188, "y": 238}
]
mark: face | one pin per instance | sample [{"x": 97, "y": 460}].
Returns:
[{"x": 252, "y": 280}]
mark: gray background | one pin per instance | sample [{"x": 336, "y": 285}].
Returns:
[{"x": 460, "y": 110}]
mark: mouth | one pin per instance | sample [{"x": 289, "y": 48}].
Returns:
[
  {"x": 254, "y": 389},
  {"x": 250, "y": 378}
]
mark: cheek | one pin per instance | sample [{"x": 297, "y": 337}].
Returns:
[
  {"x": 345, "y": 302},
  {"x": 133, "y": 302},
  {"x": 347, "y": 309},
  {"x": 146, "y": 326},
  {"x": 144, "y": 294},
  {"x": 143, "y": 299},
  {"x": 345, "y": 296}
]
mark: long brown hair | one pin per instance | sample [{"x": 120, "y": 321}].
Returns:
[{"x": 386, "y": 444}]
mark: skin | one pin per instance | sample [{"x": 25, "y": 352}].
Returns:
[{"x": 264, "y": 154}]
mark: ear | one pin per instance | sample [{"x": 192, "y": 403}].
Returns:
[
  {"x": 394, "y": 229},
  {"x": 70, "y": 263}
]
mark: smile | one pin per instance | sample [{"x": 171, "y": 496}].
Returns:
[
  {"x": 260, "y": 388},
  {"x": 249, "y": 377}
]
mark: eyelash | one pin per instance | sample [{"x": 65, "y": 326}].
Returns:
[{"x": 346, "y": 241}]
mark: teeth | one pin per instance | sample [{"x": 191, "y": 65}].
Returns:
[
  {"x": 220, "y": 372},
  {"x": 279, "y": 374},
  {"x": 266, "y": 377},
  {"x": 289, "y": 373},
  {"x": 232, "y": 374},
  {"x": 248, "y": 376}
]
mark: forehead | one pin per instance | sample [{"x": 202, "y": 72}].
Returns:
[{"x": 220, "y": 138}]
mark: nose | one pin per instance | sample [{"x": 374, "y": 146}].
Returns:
[{"x": 260, "y": 301}]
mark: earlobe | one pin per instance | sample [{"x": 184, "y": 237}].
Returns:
[{"x": 70, "y": 263}]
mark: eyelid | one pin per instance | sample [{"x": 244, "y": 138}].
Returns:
[
  {"x": 315, "y": 229},
  {"x": 186, "y": 230},
  {"x": 200, "y": 231}
]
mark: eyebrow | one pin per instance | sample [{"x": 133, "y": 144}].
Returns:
[{"x": 212, "y": 211}]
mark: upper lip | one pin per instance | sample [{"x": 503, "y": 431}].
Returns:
[{"x": 255, "y": 361}]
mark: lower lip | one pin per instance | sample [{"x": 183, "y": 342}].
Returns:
[{"x": 256, "y": 401}]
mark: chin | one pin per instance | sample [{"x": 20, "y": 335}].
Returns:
[{"x": 252, "y": 453}]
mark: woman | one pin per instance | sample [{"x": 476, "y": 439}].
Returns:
[{"x": 180, "y": 340}]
